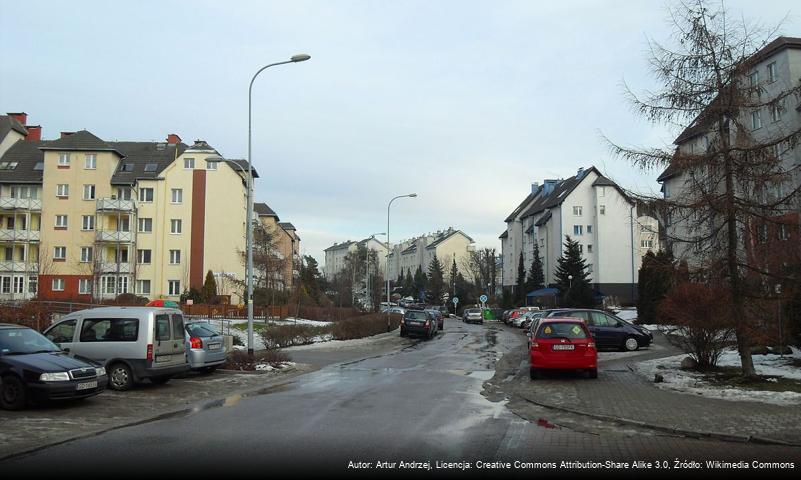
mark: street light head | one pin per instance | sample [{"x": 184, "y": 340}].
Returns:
[
  {"x": 302, "y": 57},
  {"x": 413, "y": 195}
]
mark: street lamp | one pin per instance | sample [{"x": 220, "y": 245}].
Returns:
[
  {"x": 410, "y": 195},
  {"x": 249, "y": 241}
]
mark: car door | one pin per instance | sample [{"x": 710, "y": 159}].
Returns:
[
  {"x": 169, "y": 347},
  {"x": 604, "y": 332},
  {"x": 62, "y": 334}
]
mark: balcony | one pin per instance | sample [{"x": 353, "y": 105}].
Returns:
[
  {"x": 7, "y": 266},
  {"x": 19, "y": 235},
  {"x": 111, "y": 267},
  {"x": 115, "y": 205},
  {"x": 114, "y": 236},
  {"x": 9, "y": 203}
]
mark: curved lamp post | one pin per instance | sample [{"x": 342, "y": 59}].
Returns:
[{"x": 410, "y": 195}]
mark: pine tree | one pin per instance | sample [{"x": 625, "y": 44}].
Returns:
[
  {"x": 572, "y": 277},
  {"x": 209, "y": 292},
  {"x": 656, "y": 278},
  {"x": 452, "y": 284},
  {"x": 420, "y": 281},
  {"x": 436, "y": 282},
  {"x": 408, "y": 284},
  {"x": 520, "y": 286},
  {"x": 536, "y": 279}
]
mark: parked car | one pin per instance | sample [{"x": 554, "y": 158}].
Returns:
[
  {"x": 204, "y": 346},
  {"x": 444, "y": 311},
  {"x": 562, "y": 343},
  {"x": 34, "y": 369},
  {"x": 532, "y": 328},
  {"x": 505, "y": 315},
  {"x": 399, "y": 310},
  {"x": 438, "y": 317},
  {"x": 608, "y": 330},
  {"x": 418, "y": 322},
  {"x": 473, "y": 315},
  {"x": 132, "y": 343},
  {"x": 528, "y": 317},
  {"x": 513, "y": 315}
]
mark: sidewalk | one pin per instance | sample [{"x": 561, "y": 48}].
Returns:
[{"x": 621, "y": 395}]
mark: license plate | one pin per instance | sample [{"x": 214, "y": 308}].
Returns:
[
  {"x": 86, "y": 385},
  {"x": 163, "y": 358},
  {"x": 564, "y": 347},
  {"x": 215, "y": 346}
]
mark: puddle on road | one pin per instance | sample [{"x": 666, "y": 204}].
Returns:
[{"x": 482, "y": 374}]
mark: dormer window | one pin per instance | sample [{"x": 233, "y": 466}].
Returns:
[{"x": 127, "y": 167}]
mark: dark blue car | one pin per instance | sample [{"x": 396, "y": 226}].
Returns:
[{"x": 608, "y": 330}]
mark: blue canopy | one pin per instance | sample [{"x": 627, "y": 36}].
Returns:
[{"x": 544, "y": 292}]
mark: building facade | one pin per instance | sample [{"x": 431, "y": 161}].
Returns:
[
  {"x": 336, "y": 253},
  {"x": 449, "y": 244}
]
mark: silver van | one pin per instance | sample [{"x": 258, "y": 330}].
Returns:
[{"x": 133, "y": 343}]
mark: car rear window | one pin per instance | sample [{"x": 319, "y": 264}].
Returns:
[
  {"x": 561, "y": 330},
  {"x": 177, "y": 327},
  {"x": 201, "y": 329},
  {"x": 416, "y": 315},
  {"x": 163, "y": 327}
]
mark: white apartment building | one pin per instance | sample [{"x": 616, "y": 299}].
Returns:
[
  {"x": 592, "y": 210},
  {"x": 447, "y": 245},
  {"x": 336, "y": 253}
]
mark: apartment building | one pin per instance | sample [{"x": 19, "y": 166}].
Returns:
[
  {"x": 82, "y": 218},
  {"x": 287, "y": 243},
  {"x": 336, "y": 253},
  {"x": 447, "y": 245},
  {"x": 592, "y": 210},
  {"x": 774, "y": 69}
]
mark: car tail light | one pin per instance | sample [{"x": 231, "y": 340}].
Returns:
[
  {"x": 535, "y": 345},
  {"x": 150, "y": 352},
  {"x": 196, "y": 342},
  {"x": 590, "y": 345}
]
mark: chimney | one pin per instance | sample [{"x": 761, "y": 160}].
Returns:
[
  {"x": 34, "y": 133},
  {"x": 66, "y": 134},
  {"x": 548, "y": 186},
  {"x": 534, "y": 186},
  {"x": 21, "y": 117},
  {"x": 173, "y": 139},
  {"x": 580, "y": 173}
]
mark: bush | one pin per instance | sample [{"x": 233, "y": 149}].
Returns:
[
  {"x": 701, "y": 321},
  {"x": 240, "y": 360},
  {"x": 364, "y": 326},
  {"x": 129, "y": 299},
  {"x": 281, "y": 336}
]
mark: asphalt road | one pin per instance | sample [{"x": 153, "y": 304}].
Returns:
[{"x": 420, "y": 401}]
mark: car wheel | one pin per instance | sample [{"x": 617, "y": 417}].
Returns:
[
  {"x": 631, "y": 344},
  {"x": 533, "y": 373},
  {"x": 120, "y": 377},
  {"x": 160, "y": 380},
  {"x": 592, "y": 373},
  {"x": 13, "y": 394}
]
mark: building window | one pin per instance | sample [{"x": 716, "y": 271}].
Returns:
[
  {"x": 122, "y": 285},
  {"x": 5, "y": 284},
  {"x": 756, "y": 120},
  {"x": 174, "y": 287},
  {"x": 62, "y": 190},
  {"x": 578, "y": 230},
  {"x": 143, "y": 256},
  {"x": 772, "y": 72},
  {"x": 88, "y": 192},
  {"x": 776, "y": 111},
  {"x": 762, "y": 233},
  {"x": 33, "y": 284},
  {"x": 58, "y": 284},
  {"x": 19, "y": 284},
  {"x": 143, "y": 287},
  {"x": 88, "y": 222},
  {"x": 189, "y": 163},
  {"x": 175, "y": 226},
  {"x": 177, "y": 195},
  {"x": 146, "y": 195},
  {"x": 589, "y": 248},
  {"x": 124, "y": 193},
  {"x": 84, "y": 286},
  {"x": 784, "y": 233},
  {"x": 577, "y": 211},
  {"x": 753, "y": 79},
  {"x": 589, "y": 229},
  {"x": 86, "y": 254},
  {"x": 175, "y": 257},
  {"x": 108, "y": 285},
  {"x": 211, "y": 165},
  {"x": 90, "y": 161},
  {"x": 581, "y": 248},
  {"x": 602, "y": 209},
  {"x": 61, "y": 221},
  {"x": 145, "y": 225},
  {"x": 542, "y": 242},
  {"x": 64, "y": 159},
  {"x": 647, "y": 243},
  {"x": 59, "y": 253}
]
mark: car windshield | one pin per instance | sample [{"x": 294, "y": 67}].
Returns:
[
  {"x": 201, "y": 329},
  {"x": 18, "y": 341},
  {"x": 561, "y": 330},
  {"x": 474, "y": 310},
  {"x": 416, "y": 315}
]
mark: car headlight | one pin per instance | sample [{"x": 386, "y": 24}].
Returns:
[
  {"x": 646, "y": 331},
  {"x": 54, "y": 377},
  {"x": 100, "y": 371}
]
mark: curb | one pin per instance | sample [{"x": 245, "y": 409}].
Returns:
[
  {"x": 726, "y": 437},
  {"x": 204, "y": 404}
]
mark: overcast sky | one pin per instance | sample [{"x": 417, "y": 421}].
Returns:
[{"x": 463, "y": 102}]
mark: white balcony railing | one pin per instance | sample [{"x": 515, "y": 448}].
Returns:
[
  {"x": 9, "y": 203},
  {"x": 7, "y": 266},
  {"x": 114, "y": 236},
  {"x": 115, "y": 204},
  {"x": 19, "y": 235},
  {"x": 111, "y": 267}
]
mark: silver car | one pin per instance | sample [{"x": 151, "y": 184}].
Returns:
[
  {"x": 204, "y": 346},
  {"x": 473, "y": 315}
]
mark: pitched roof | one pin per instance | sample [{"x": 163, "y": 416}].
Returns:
[
  {"x": 8, "y": 123},
  {"x": 286, "y": 226},
  {"x": 146, "y": 159},
  {"x": 522, "y": 205},
  {"x": 263, "y": 210},
  {"x": 411, "y": 249},
  {"x": 26, "y": 155},
  {"x": 82, "y": 140},
  {"x": 544, "y": 219},
  {"x": 445, "y": 237},
  {"x": 361, "y": 242},
  {"x": 505, "y": 234},
  {"x": 338, "y": 246},
  {"x": 240, "y": 165}
]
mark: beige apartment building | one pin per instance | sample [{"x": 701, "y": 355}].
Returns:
[
  {"x": 287, "y": 243},
  {"x": 85, "y": 219}
]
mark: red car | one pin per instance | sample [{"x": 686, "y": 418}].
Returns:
[{"x": 562, "y": 344}]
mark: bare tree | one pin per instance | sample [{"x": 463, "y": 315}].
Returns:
[{"x": 730, "y": 175}]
